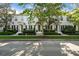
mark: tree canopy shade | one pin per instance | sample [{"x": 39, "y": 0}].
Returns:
[
  {"x": 74, "y": 15},
  {"x": 4, "y": 15},
  {"x": 44, "y": 12}
]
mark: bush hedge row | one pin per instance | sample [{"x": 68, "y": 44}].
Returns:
[
  {"x": 50, "y": 32},
  {"x": 70, "y": 30},
  {"x": 29, "y": 32},
  {"x": 45, "y": 37},
  {"x": 6, "y": 33}
]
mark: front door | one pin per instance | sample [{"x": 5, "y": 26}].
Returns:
[{"x": 39, "y": 28}]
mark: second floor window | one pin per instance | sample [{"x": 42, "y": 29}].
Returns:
[
  {"x": 26, "y": 26},
  {"x": 61, "y": 18},
  {"x": 15, "y": 19},
  {"x": 12, "y": 22},
  {"x": 67, "y": 18},
  {"x": 30, "y": 27}
]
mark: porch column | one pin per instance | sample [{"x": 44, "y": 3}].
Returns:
[
  {"x": 76, "y": 28},
  {"x": 53, "y": 27},
  {"x": 19, "y": 28},
  {"x": 36, "y": 28},
  {"x": 58, "y": 28}
]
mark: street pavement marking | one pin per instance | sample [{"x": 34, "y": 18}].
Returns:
[
  {"x": 29, "y": 52},
  {"x": 13, "y": 49},
  {"x": 28, "y": 43},
  {"x": 19, "y": 53},
  {"x": 35, "y": 47},
  {"x": 64, "y": 51},
  {"x": 70, "y": 49},
  {"x": 3, "y": 44}
]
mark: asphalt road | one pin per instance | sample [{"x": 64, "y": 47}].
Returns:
[{"x": 39, "y": 48}]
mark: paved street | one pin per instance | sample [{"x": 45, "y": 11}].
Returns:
[{"x": 39, "y": 48}]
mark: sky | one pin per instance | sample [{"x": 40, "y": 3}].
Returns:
[
  {"x": 15, "y": 6},
  {"x": 69, "y": 7},
  {"x": 18, "y": 8}
]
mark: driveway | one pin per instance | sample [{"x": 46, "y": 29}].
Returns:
[{"x": 39, "y": 48}]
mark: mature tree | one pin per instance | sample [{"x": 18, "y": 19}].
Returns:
[
  {"x": 44, "y": 12},
  {"x": 74, "y": 16},
  {"x": 4, "y": 13}
]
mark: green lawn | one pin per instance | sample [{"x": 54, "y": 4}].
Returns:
[{"x": 45, "y": 37}]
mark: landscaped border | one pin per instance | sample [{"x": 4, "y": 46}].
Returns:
[{"x": 45, "y": 37}]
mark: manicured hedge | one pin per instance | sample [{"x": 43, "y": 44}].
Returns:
[
  {"x": 50, "y": 32},
  {"x": 6, "y": 33},
  {"x": 77, "y": 33},
  {"x": 45, "y": 37},
  {"x": 29, "y": 32},
  {"x": 11, "y": 31},
  {"x": 69, "y": 30}
]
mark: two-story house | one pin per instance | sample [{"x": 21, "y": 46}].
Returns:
[{"x": 20, "y": 22}]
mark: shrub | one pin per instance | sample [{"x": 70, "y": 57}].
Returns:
[
  {"x": 20, "y": 34},
  {"x": 76, "y": 33},
  {"x": 4, "y": 29},
  {"x": 29, "y": 32},
  {"x": 6, "y": 33},
  {"x": 11, "y": 31},
  {"x": 68, "y": 30},
  {"x": 50, "y": 32}
]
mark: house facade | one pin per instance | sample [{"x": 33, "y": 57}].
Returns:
[{"x": 20, "y": 22}]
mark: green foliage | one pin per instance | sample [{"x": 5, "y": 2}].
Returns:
[
  {"x": 69, "y": 30},
  {"x": 5, "y": 16},
  {"x": 26, "y": 11},
  {"x": 7, "y": 33},
  {"x": 38, "y": 38},
  {"x": 11, "y": 31},
  {"x": 43, "y": 11},
  {"x": 29, "y": 32},
  {"x": 21, "y": 4},
  {"x": 74, "y": 15},
  {"x": 50, "y": 32}
]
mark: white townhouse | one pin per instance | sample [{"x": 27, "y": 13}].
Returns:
[
  {"x": 20, "y": 22},
  {"x": 63, "y": 21}
]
